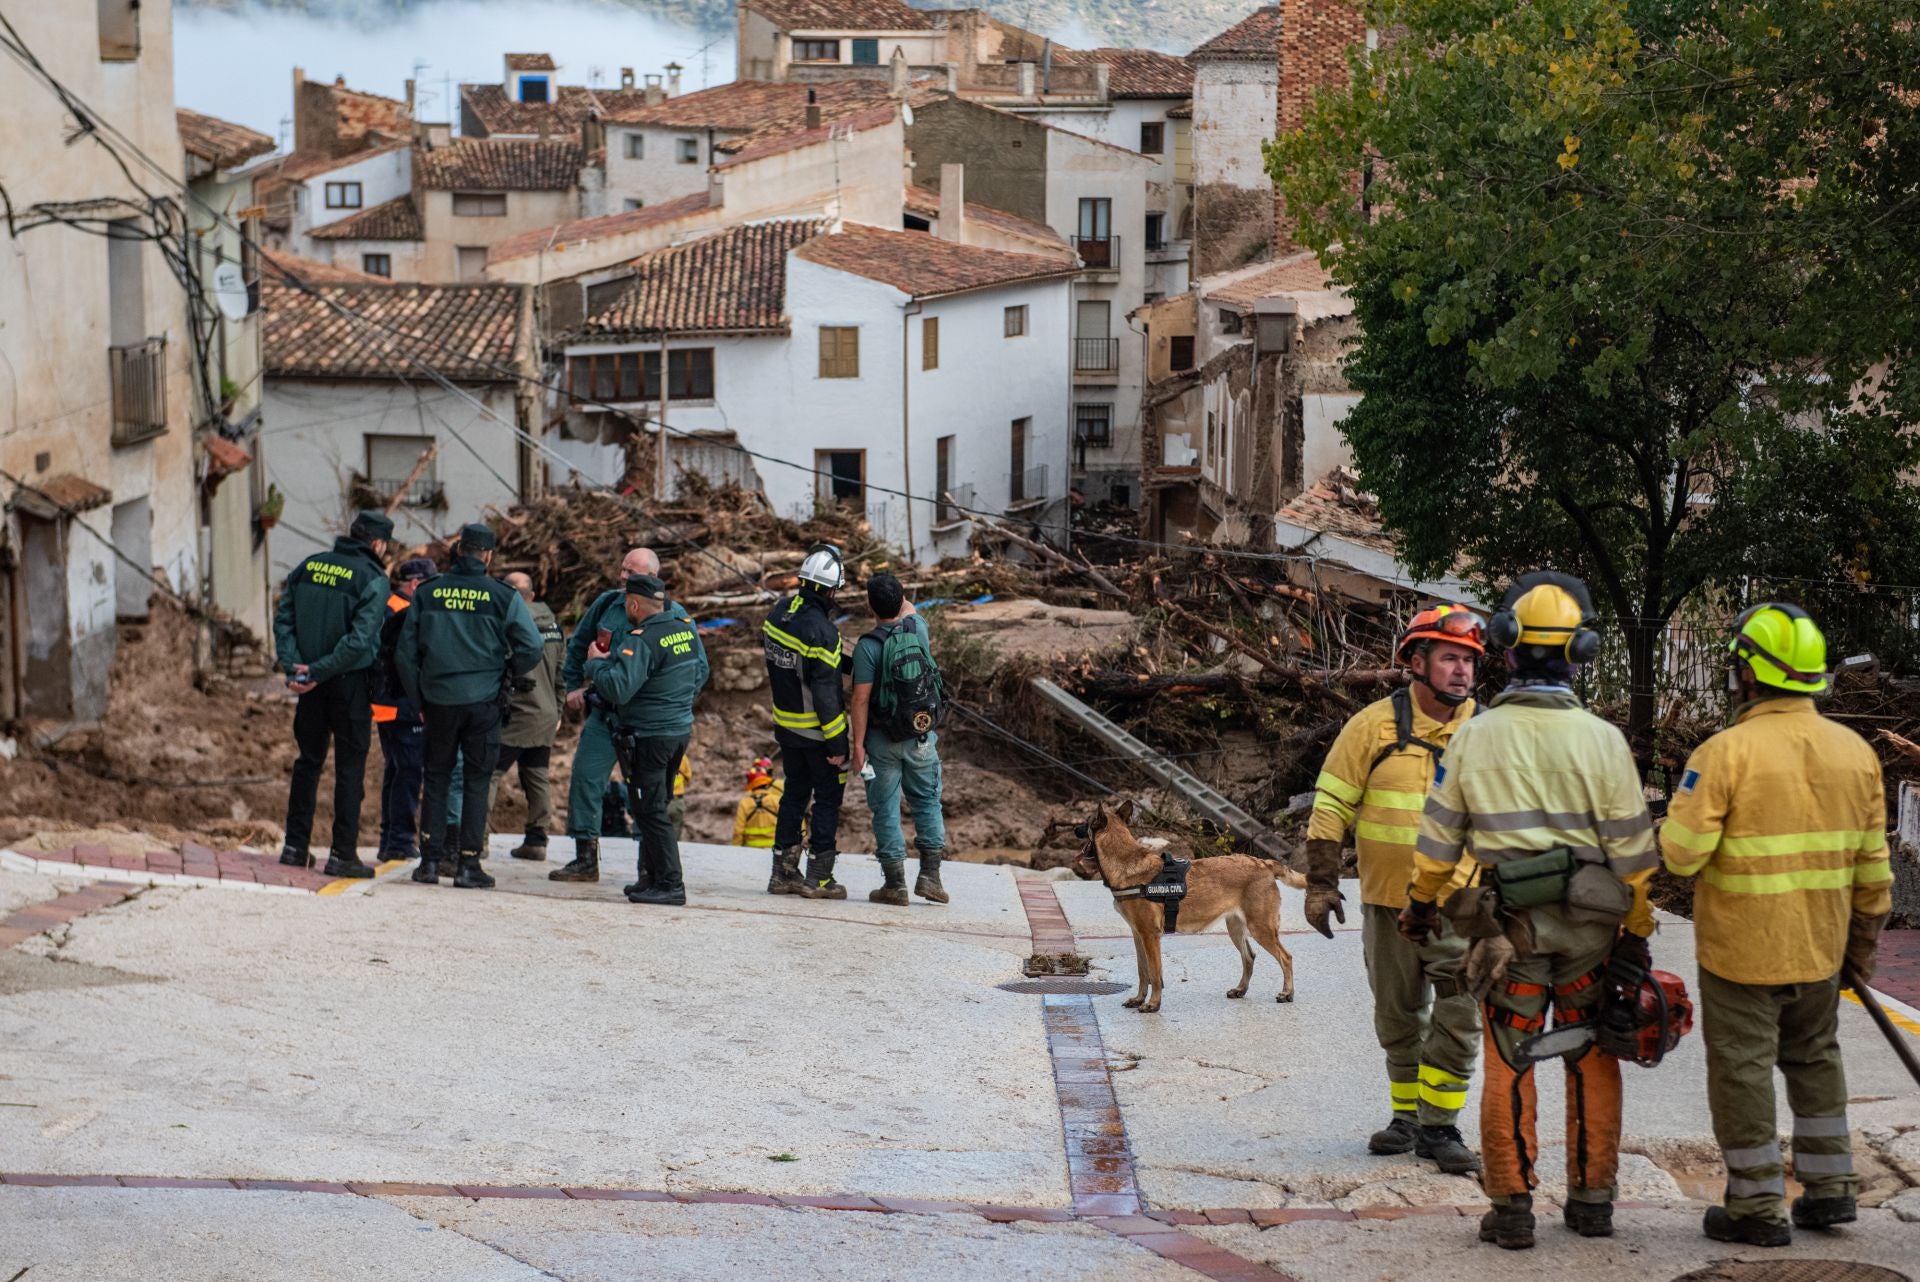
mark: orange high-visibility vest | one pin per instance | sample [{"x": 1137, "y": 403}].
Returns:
[{"x": 384, "y": 712}]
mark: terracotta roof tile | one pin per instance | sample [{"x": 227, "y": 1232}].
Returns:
[
  {"x": 298, "y": 166},
  {"x": 1183, "y": 112},
  {"x": 464, "y": 331},
  {"x": 224, "y": 457},
  {"x": 59, "y": 494},
  {"x": 925, "y": 202},
  {"x": 842, "y": 15},
  {"x": 1255, "y": 37},
  {"x": 220, "y": 143},
  {"x": 749, "y": 106},
  {"x": 1242, "y": 287},
  {"x": 1335, "y": 504},
  {"x": 784, "y": 137},
  {"x": 925, "y": 266},
  {"x": 571, "y": 104},
  {"x": 530, "y": 62},
  {"x": 606, "y": 225},
  {"x": 1136, "y": 73},
  {"x": 313, "y": 271},
  {"x": 733, "y": 280},
  {"x": 501, "y": 164},
  {"x": 396, "y": 219}
]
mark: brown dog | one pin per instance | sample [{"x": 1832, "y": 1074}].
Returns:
[{"x": 1238, "y": 887}]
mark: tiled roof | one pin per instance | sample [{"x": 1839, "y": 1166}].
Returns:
[
  {"x": 1136, "y": 73},
  {"x": 571, "y": 104},
  {"x": 530, "y": 62},
  {"x": 1254, "y": 37},
  {"x": 733, "y": 280},
  {"x": 925, "y": 266},
  {"x": 748, "y": 106},
  {"x": 1299, "y": 276},
  {"x": 220, "y": 143},
  {"x": 841, "y": 15},
  {"x": 925, "y": 202},
  {"x": 465, "y": 331},
  {"x": 1183, "y": 112},
  {"x": 501, "y": 164},
  {"x": 586, "y": 229},
  {"x": 1336, "y": 505},
  {"x": 312, "y": 271},
  {"x": 776, "y": 139},
  {"x": 396, "y": 219},
  {"x": 59, "y": 495},
  {"x": 298, "y": 166}
]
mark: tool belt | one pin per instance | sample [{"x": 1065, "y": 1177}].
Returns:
[
  {"x": 1583, "y": 884},
  {"x": 1167, "y": 889}
]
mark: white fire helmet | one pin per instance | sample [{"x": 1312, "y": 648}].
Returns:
[{"x": 823, "y": 567}]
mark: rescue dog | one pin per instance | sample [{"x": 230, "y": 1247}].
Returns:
[{"x": 1239, "y": 888}]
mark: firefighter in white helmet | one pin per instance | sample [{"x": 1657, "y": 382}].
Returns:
[{"x": 804, "y": 663}]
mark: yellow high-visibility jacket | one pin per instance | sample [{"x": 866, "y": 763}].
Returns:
[
  {"x": 754, "y": 818},
  {"x": 1784, "y": 820},
  {"x": 1534, "y": 772},
  {"x": 1382, "y": 803}
]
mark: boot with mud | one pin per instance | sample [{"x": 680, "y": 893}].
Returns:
[
  {"x": 585, "y": 865},
  {"x": 1448, "y": 1151},
  {"x": 1396, "y": 1137},
  {"x": 1745, "y": 1230},
  {"x": 895, "y": 890},
  {"x": 348, "y": 865},
  {"x": 535, "y": 845},
  {"x": 428, "y": 873},
  {"x": 820, "y": 883},
  {"x": 1823, "y": 1212},
  {"x": 1589, "y": 1219},
  {"x": 786, "y": 878},
  {"x": 470, "y": 875},
  {"x": 927, "y": 884},
  {"x": 1509, "y": 1226}
]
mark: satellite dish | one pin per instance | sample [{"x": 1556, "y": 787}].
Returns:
[
  {"x": 230, "y": 291},
  {"x": 906, "y": 114}
]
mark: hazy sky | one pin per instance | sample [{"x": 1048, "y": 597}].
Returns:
[{"x": 239, "y": 66}]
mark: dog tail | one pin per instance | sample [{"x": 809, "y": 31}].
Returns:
[{"x": 1297, "y": 880}]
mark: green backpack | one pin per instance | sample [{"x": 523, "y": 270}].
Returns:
[{"x": 909, "y": 698}]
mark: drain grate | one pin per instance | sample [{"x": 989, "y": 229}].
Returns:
[
  {"x": 1081, "y": 987},
  {"x": 1791, "y": 1271}
]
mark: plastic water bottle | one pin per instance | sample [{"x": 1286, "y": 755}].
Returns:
[{"x": 866, "y": 771}]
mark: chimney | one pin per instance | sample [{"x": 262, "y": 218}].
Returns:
[
  {"x": 656, "y": 92},
  {"x": 626, "y": 77},
  {"x": 673, "y": 79},
  {"x": 411, "y": 112},
  {"x": 953, "y": 203},
  {"x": 813, "y": 109},
  {"x": 900, "y": 73},
  {"x": 1314, "y": 38},
  {"x": 1029, "y": 80}
]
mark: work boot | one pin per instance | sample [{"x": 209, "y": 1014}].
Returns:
[
  {"x": 1510, "y": 1227},
  {"x": 1589, "y": 1219},
  {"x": 820, "y": 883},
  {"x": 428, "y": 873},
  {"x": 927, "y": 885},
  {"x": 786, "y": 878},
  {"x": 1823, "y": 1212},
  {"x": 1398, "y": 1136},
  {"x": 534, "y": 847},
  {"x": 348, "y": 865},
  {"x": 1722, "y": 1226},
  {"x": 895, "y": 890},
  {"x": 1448, "y": 1151},
  {"x": 295, "y": 858},
  {"x": 585, "y": 865},
  {"x": 470, "y": 875},
  {"x": 657, "y": 885}
]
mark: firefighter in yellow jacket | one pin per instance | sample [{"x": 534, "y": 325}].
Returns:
[
  {"x": 1783, "y": 820},
  {"x": 1374, "y": 782},
  {"x": 1550, "y": 798},
  {"x": 758, "y": 813}
]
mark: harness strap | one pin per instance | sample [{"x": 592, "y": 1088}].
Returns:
[
  {"x": 1578, "y": 985},
  {"x": 1526, "y": 990},
  {"x": 1517, "y": 1021}
]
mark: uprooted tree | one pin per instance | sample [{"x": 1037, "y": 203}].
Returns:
[{"x": 1636, "y": 282}]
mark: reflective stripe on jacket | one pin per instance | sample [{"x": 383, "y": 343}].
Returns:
[
  {"x": 1382, "y": 803},
  {"x": 757, "y": 814},
  {"x": 803, "y": 673},
  {"x": 1534, "y": 772},
  {"x": 1783, "y": 819}
]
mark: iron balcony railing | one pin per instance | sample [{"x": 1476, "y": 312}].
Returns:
[
  {"x": 955, "y": 506},
  {"x": 1098, "y": 251},
  {"x": 138, "y": 372},
  {"x": 1096, "y": 355},
  {"x": 1028, "y": 486},
  {"x": 424, "y": 492}
]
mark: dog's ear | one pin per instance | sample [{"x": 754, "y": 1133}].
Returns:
[{"x": 1125, "y": 811}]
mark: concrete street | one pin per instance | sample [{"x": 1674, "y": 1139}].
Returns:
[{"x": 434, "y": 1067}]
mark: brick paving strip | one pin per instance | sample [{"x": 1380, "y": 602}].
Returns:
[
  {"x": 40, "y": 918},
  {"x": 191, "y": 865}
]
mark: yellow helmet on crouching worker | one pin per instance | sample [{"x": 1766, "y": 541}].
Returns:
[
  {"x": 1783, "y": 647},
  {"x": 1547, "y": 609}
]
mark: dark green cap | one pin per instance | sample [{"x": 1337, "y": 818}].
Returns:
[
  {"x": 478, "y": 537},
  {"x": 646, "y": 585},
  {"x": 368, "y": 526}
]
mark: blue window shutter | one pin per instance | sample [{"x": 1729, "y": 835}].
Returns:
[{"x": 866, "y": 53}]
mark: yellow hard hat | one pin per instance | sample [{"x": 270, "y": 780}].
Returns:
[
  {"x": 1783, "y": 647},
  {"x": 1547, "y": 609}
]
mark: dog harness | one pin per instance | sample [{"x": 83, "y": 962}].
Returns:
[{"x": 1167, "y": 889}]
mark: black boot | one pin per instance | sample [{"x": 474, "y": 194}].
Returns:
[
  {"x": 534, "y": 847},
  {"x": 585, "y": 865},
  {"x": 658, "y": 885},
  {"x": 1589, "y": 1219},
  {"x": 347, "y": 865},
  {"x": 1823, "y": 1212},
  {"x": 895, "y": 890},
  {"x": 820, "y": 883},
  {"x": 295, "y": 858},
  {"x": 1746, "y": 1230},
  {"x": 786, "y": 878},
  {"x": 927, "y": 884},
  {"x": 1448, "y": 1151},
  {"x": 428, "y": 873},
  {"x": 470, "y": 875},
  {"x": 1510, "y": 1227},
  {"x": 1396, "y": 1137}
]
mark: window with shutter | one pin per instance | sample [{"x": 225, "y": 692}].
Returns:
[{"x": 839, "y": 351}]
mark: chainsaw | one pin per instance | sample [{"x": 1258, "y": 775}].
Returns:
[{"x": 1643, "y": 1016}]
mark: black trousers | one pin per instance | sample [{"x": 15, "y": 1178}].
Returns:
[
  {"x": 810, "y": 778},
  {"x": 336, "y": 712},
  {"x": 470, "y": 731},
  {"x": 402, "y": 744},
  {"x": 650, "y": 764}
]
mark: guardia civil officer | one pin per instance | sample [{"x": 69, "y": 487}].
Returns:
[
  {"x": 466, "y": 634},
  {"x": 648, "y": 677},
  {"x": 326, "y": 631}
]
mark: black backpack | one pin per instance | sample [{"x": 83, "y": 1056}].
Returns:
[
  {"x": 909, "y": 697},
  {"x": 1403, "y": 735}
]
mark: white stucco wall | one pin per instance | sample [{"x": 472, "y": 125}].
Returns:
[
  {"x": 407, "y": 258},
  {"x": 1324, "y": 448},
  {"x": 1233, "y": 113},
  {"x": 317, "y": 440},
  {"x": 862, "y": 177},
  {"x": 660, "y": 174},
  {"x": 381, "y": 178}
]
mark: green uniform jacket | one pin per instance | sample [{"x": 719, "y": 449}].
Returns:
[
  {"x": 463, "y": 634},
  {"x": 330, "y": 611},
  {"x": 536, "y": 712},
  {"x": 656, "y": 672},
  {"x": 609, "y": 611}
]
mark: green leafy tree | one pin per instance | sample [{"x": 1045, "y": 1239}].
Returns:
[{"x": 1636, "y": 282}]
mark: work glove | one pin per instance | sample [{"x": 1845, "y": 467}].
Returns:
[
  {"x": 1629, "y": 961},
  {"x": 1323, "y": 885},
  {"x": 1863, "y": 942},
  {"x": 1418, "y": 921},
  {"x": 1486, "y": 965}
]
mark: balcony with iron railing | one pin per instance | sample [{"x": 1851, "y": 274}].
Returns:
[
  {"x": 954, "y": 507},
  {"x": 1027, "y": 488},
  {"x": 421, "y": 492},
  {"x": 1098, "y": 253},
  {"x": 1096, "y": 356},
  {"x": 138, "y": 373}
]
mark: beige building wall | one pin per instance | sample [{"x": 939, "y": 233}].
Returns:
[
  {"x": 62, "y": 307},
  {"x": 448, "y": 234}
]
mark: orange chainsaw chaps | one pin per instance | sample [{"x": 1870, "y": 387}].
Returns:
[
  {"x": 1509, "y": 1124},
  {"x": 1593, "y": 1120}
]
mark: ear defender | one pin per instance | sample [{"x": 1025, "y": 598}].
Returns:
[{"x": 1549, "y": 609}]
